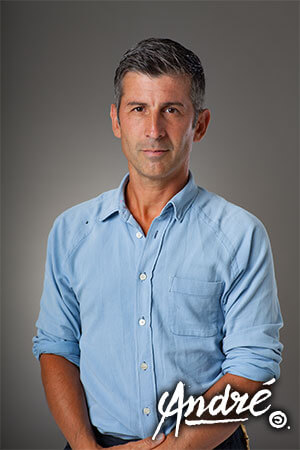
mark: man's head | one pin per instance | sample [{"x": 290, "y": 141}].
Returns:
[
  {"x": 158, "y": 114},
  {"x": 155, "y": 57}
]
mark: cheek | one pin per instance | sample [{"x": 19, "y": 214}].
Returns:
[
  {"x": 128, "y": 142},
  {"x": 182, "y": 131},
  {"x": 132, "y": 130},
  {"x": 188, "y": 136},
  {"x": 183, "y": 138}
]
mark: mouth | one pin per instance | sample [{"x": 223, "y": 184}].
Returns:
[{"x": 155, "y": 151}]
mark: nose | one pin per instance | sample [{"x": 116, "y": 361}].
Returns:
[{"x": 155, "y": 128}]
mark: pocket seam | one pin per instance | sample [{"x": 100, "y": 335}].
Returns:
[{"x": 181, "y": 285}]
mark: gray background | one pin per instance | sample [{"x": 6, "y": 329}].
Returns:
[{"x": 58, "y": 150}]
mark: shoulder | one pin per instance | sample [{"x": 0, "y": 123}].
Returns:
[
  {"x": 223, "y": 214},
  {"x": 87, "y": 210},
  {"x": 235, "y": 227},
  {"x": 77, "y": 222}
]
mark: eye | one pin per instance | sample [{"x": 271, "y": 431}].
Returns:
[
  {"x": 171, "y": 110},
  {"x": 138, "y": 108}
]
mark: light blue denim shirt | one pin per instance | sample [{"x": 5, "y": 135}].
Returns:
[{"x": 193, "y": 300}]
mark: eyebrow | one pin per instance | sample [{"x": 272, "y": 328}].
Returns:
[{"x": 163, "y": 104}]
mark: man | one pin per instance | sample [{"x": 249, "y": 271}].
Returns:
[{"x": 155, "y": 282}]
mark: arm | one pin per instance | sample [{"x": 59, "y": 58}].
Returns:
[
  {"x": 66, "y": 400},
  {"x": 207, "y": 437},
  {"x": 56, "y": 346},
  {"x": 252, "y": 320},
  {"x": 67, "y": 403}
]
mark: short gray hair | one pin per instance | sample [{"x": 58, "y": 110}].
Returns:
[{"x": 156, "y": 57}]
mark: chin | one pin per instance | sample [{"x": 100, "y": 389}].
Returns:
[{"x": 156, "y": 175}]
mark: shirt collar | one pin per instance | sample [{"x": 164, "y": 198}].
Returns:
[
  {"x": 179, "y": 203},
  {"x": 183, "y": 199}
]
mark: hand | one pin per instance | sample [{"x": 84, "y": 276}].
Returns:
[
  {"x": 143, "y": 444},
  {"x": 172, "y": 443},
  {"x": 182, "y": 442}
]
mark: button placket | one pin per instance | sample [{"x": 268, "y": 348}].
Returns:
[{"x": 146, "y": 375}]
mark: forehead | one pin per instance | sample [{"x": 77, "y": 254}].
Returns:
[{"x": 167, "y": 87}]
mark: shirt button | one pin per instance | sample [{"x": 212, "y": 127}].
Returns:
[
  {"x": 142, "y": 322},
  {"x": 144, "y": 366},
  {"x": 143, "y": 276},
  {"x": 146, "y": 411},
  {"x": 139, "y": 235}
]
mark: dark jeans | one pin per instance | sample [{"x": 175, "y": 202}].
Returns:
[{"x": 237, "y": 441}]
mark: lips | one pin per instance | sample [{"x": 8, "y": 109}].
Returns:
[{"x": 155, "y": 151}]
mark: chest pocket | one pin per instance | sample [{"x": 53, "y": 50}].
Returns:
[{"x": 194, "y": 306}]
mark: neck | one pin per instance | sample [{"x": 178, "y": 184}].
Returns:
[{"x": 145, "y": 197}]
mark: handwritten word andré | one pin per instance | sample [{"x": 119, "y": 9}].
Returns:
[{"x": 217, "y": 405}]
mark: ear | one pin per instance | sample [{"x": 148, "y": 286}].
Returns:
[
  {"x": 201, "y": 125},
  {"x": 114, "y": 120}
]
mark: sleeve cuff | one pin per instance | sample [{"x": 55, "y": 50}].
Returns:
[
  {"x": 256, "y": 370},
  {"x": 254, "y": 355},
  {"x": 67, "y": 349}
]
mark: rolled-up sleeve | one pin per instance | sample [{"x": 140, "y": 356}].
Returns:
[
  {"x": 252, "y": 312},
  {"x": 58, "y": 324}
]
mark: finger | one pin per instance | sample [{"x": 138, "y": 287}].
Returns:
[
  {"x": 143, "y": 444},
  {"x": 150, "y": 443}
]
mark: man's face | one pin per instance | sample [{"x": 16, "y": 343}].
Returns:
[{"x": 156, "y": 116}]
